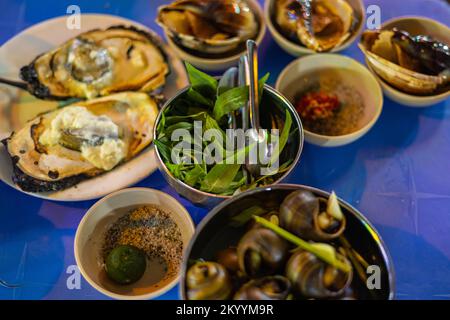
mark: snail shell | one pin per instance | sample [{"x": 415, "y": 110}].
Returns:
[
  {"x": 228, "y": 258},
  {"x": 261, "y": 252},
  {"x": 300, "y": 214},
  {"x": 208, "y": 281},
  {"x": 313, "y": 278},
  {"x": 267, "y": 288}
]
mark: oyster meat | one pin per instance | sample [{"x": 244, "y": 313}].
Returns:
[
  {"x": 320, "y": 25},
  {"x": 208, "y": 26},
  {"x": 60, "y": 148},
  {"x": 414, "y": 64},
  {"x": 98, "y": 63}
]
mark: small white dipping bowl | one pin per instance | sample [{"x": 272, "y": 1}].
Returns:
[
  {"x": 415, "y": 26},
  {"x": 92, "y": 228},
  {"x": 358, "y": 77},
  {"x": 296, "y": 49},
  {"x": 222, "y": 63}
]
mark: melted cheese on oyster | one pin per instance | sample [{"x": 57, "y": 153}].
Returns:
[{"x": 98, "y": 136}]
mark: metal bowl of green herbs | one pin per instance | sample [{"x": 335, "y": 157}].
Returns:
[{"x": 207, "y": 168}]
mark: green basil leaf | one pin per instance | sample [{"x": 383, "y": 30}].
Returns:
[
  {"x": 194, "y": 175},
  {"x": 234, "y": 99},
  {"x": 163, "y": 149},
  {"x": 283, "y": 138},
  {"x": 197, "y": 97},
  {"x": 179, "y": 125},
  {"x": 201, "y": 82},
  {"x": 219, "y": 178}
]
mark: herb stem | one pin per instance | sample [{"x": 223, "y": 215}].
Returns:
[{"x": 319, "y": 252}]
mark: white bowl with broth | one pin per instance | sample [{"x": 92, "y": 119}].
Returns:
[
  {"x": 90, "y": 240},
  {"x": 353, "y": 84}
]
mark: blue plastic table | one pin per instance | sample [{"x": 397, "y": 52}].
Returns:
[{"x": 398, "y": 175}]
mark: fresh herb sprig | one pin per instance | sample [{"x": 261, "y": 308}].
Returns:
[{"x": 201, "y": 103}]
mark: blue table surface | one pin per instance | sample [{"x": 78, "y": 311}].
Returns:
[{"x": 398, "y": 175}]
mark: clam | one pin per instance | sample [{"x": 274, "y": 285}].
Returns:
[
  {"x": 311, "y": 217},
  {"x": 208, "y": 281},
  {"x": 208, "y": 26},
  {"x": 261, "y": 252},
  {"x": 414, "y": 64},
  {"x": 319, "y": 25},
  {"x": 312, "y": 278},
  {"x": 267, "y": 288}
]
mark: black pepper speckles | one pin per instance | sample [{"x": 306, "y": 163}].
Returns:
[{"x": 151, "y": 230}]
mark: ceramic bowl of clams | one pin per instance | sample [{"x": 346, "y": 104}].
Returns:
[
  {"x": 314, "y": 26},
  {"x": 410, "y": 56},
  {"x": 286, "y": 242},
  {"x": 211, "y": 34}
]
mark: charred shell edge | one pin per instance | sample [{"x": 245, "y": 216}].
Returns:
[
  {"x": 30, "y": 184},
  {"x": 35, "y": 87}
]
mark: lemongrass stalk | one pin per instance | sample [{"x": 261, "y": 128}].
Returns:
[{"x": 303, "y": 244}]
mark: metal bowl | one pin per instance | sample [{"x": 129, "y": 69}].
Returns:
[
  {"x": 214, "y": 233},
  {"x": 292, "y": 149}
]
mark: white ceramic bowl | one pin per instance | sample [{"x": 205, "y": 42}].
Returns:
[
  {"x": 355, "y": 75},
  {"x": 100, "y": 216},
  {"x": 298, "y": 50},
  {"x": 415, "y": 26},
  {"x": 217, "y": 64}
]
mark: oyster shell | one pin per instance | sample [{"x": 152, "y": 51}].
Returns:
[
  {"x": 208, "y": 26},
  {"x": 320, "y": 25},
  {"x": 417, "y": 65},
  {"x": 98, "y": 63},
  {"x": 60, "y": 148}
]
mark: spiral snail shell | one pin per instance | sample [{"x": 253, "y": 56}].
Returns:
[
  {"x": 313, "y": 278},
  {"x": 308, "y": 217},
  {"x": 208, "y": 281},
  {"x": 267, "y": 288}
]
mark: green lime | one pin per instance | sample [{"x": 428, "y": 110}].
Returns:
[{"x": 126, "y": 264}]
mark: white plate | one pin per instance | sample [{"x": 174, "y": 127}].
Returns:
[{"x": 17, "y": 106}]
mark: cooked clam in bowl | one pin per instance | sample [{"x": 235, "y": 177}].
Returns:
[
  {"x": 285, "y": 242},
  {"x": 61, "y": 148},
  {"x": 414, "y": 64},
  {"x": 98, "y": 63},
  {"x": 318, "y": 25},
  {"x": 209, "y": 27}
]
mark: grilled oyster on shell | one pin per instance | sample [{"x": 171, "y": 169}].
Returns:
[
  {"x": 98, "y": 63},
  {"x": 330, "y": 22},
  {"x": 414, "y": 64},
  {"x": 208, "y": 26},
  {"x": 60, "y": 148}
]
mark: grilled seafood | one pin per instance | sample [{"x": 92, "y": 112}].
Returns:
[
  {"x": 98, "y": 63},
  {"x": 63, "y": 147}
]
